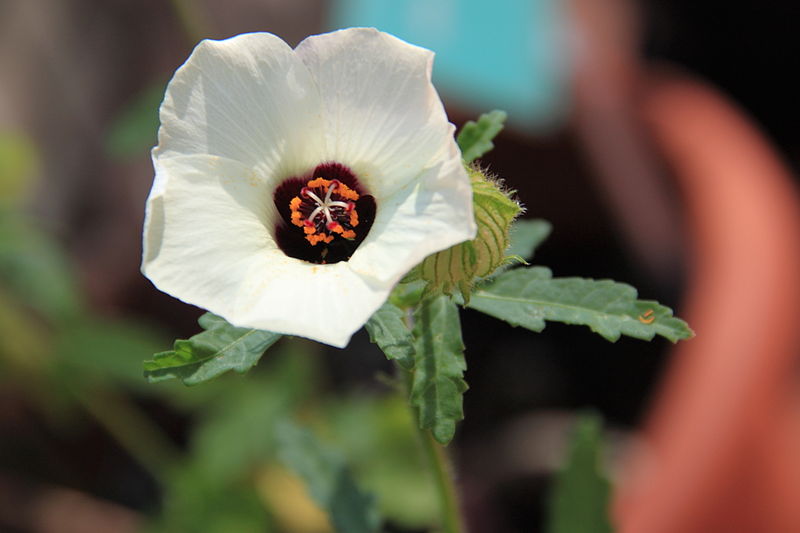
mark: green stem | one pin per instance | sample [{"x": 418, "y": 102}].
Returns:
[
  {"x": 441, "y": 468},
  {"x": 131, "y": 429}
]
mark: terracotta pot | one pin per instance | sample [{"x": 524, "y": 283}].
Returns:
[{"x": 722, "y": 445}]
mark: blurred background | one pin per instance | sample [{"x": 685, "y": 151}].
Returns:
[{"x": 627, "y": 131}]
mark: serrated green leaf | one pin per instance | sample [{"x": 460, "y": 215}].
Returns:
[
  {"x": 135, "y": 129},
  {"x": 387, "y": 329},
  {"x": 328, "y": 479},
  {"x": 526, "y": 236},
  {"x": 459, "y": 266},
  {"x": 528, "y": 297},
  {"x": 438, "y": 386},
  {"x": 475, "y": 138},
  {"x": 580, "y": 498},
  {"x": 220, "y": 348}
]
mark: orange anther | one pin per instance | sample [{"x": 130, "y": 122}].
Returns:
[{"x": 318, "y": 182}]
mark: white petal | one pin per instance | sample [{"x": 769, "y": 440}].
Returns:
[
  {"x": 382, "y": 116},
  {"x": 208, "y": 241},
  {"x": 206, "y": 217},
  {"x": 326, "y": 303},
  {"x": 428, "y": 215},
  {"x": 248, "y": 98}
]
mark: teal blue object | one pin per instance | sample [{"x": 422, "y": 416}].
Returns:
[{"x": 506, "y": 55}]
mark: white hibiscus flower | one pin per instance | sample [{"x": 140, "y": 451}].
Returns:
[{"x": 295, "y": 188}]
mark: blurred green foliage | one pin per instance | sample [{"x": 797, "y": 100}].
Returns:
[
  {"x": 19, "y": 164},
  {"x": 72, "y": 364},
  {"x": 133, "y": 131},
  {"x": 361, "y": 462},
  {"x": 329, "y": 480},
  {"x": 525, "y": 237},
  {"x": 580, "y": 497}
]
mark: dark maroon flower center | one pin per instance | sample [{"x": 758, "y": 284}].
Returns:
[{"x": 324, "y": 215}]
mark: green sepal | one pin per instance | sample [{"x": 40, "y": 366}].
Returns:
[
  {"x": 582, "y": 493},
  {"x": 475, "y": 138},
  {"x": 457, "y": 267},
  {"x": 528, "y": 297},
  {"x": 328, "y": 479},
  {"x": 387, "y": 329},
  {"x": 438, "y": 384},
  {"x": 221, "y": 347}
]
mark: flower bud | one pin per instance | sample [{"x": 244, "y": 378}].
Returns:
[{"x": 459, "y": 266}]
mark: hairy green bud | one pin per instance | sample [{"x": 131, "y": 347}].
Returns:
[{"x": 459, "y": 266}]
